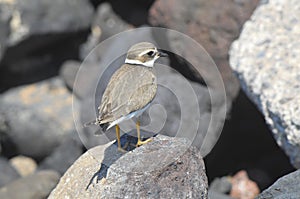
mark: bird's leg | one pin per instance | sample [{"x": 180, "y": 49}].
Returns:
[
  {"x": 140, "y": 142},
  {"x": 119, "y": 139}
]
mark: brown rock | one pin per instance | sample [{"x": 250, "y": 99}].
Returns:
[
  {"x": 214, "y": 24},
  {"x": 243, "y": 187}
]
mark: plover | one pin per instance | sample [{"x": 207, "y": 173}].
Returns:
[{"x": 130, "y": 90}]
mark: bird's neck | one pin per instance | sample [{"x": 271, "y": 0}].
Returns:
[{"x": 138, "y": 62}]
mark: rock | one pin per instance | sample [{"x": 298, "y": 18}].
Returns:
[
  {"x": 106, "y": 23},
  {"x": 41, "y": 112},
  {"x": 268, "y": 70},
  {"x": 42, "y": 35},
  {"x": 24, "y": 165},
  {"x": 63, "y": 156},
  {"x": 213, "y": 24},
  {"x": 68, "y": 72},
  {"x": 5, "y": 15},
  {"x": 286, "y": 187},
  {"x": 134, "y": 12},
  {"x": 7, "y": 172},
  {"x": 166, "y": 167},
  {"x": 243, "y": 187},
  {"x": 221, "y": 185},
  {"x": 34, "y": 186},
  {"x": 62, "y": 16}
]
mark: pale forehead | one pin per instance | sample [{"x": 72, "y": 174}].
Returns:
[{"x": 141, "y": 47}]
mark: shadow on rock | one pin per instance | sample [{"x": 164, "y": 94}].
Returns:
[{"x": 112, "y": 154}]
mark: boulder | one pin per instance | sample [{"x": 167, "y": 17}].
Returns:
[
  {"x": 63, "y": 156},
  {"x": 35, "y": 186},
  {"x": 24, "y": 165},
  {"x": 213, "y": 24},
  {"x": 105, "y": 24},
  {"x": 164, "y": 168},
  {"x": 5, "y": 15},
  {"x": 36, "y": 118},
  {"x": 40, "y": 36},
  {"x": 7, "y": 172},
  {"x": 268, "y": 69},
  {"x": 285, "y": 187}
]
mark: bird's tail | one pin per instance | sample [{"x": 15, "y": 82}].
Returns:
[{"x": 103, "y": 126}]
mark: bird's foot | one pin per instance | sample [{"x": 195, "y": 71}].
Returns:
[
  {"x": 123, "y": 149},
  {"x": 140, "y": 143}
]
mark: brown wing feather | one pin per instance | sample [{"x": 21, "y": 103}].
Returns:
[{"x": 130, "y": 88}]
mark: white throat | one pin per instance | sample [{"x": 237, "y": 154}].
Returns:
[{"x": 134, "y": 61}]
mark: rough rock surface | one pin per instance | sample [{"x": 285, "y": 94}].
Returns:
[
  {"x": 7, "y": 172},
  {"x": 35, "y": 186},
  {"x": 287, "y": 187},
  {"x": 41, "y": 112},
  {"x": 165, "y": 167},
  {"x": 266, "y": 59},
  {"x": 214, "y": 30}
]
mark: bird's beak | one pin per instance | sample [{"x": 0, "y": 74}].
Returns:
[{"x": 162, "y": 54}]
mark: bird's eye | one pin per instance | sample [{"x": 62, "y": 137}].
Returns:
[{"x": 150, "y": 53}]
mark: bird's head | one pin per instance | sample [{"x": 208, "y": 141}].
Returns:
[{"x": 143, "y": 53}]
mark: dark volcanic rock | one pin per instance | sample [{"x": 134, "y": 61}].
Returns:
[
  {"x": 287, "y": 187},
  {"x": 36, "y": 117},
  {"x": 41, "y": 35},
  {"x": 164, "y": 168},
  {"x": 214, "y": 24},
  {"x": 35, "y": 186},
  {"x": 7, "y": 172},
  {"x": 63, "y": 156}
]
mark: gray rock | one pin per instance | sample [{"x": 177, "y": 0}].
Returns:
[
  {"x": 164, "y": 168},
  {"x": 213, "y": 24},
  {"x": 35, "y": 186},
  {"x": 5, "y": 15},
  {"x": 40, "y": 36},
  {"x": 68, "y": 72},
  {"x": 106, "y": 23},
  {"x": 32, "y": 17},
  {"x": 286, "y": 187},
  {"x": 63, "y": 156},
  {"x": 268, "y": 69},
  {"x": 7, "y": 172},
  {"x": 37, "y": 117}
]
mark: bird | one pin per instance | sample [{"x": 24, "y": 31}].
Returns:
[{"x": 130, "y": 90}]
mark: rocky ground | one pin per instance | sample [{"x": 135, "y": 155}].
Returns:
[{"x": 42, "y": 146}]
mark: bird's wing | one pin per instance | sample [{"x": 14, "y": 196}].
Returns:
[{"x": 131, "y": 88}]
